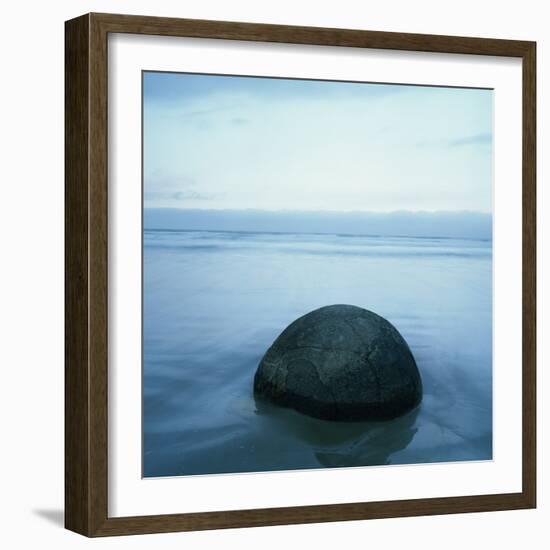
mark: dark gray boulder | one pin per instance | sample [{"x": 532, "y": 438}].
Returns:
[{"x": 340, "y": 362}]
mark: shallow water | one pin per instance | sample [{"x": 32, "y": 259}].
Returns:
[{"x": 214, "y": 302}]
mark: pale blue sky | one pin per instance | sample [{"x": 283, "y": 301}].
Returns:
[{"x": 225, "y": 142}]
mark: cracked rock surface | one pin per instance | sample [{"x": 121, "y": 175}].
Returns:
[{"x": 340, "y": 362}]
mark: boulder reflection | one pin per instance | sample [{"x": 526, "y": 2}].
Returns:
[{"x": 345, "y": 444}]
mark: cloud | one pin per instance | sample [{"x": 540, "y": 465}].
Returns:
[
  {"x": 160, "y": 189},
  {"x": 484, "y": 138},
  {"x": 478, "y": 139},
  {"x": 205, "y": 112},
  {"x": 187, "y": 87},
  {"x": 177, "y": 196},
  {"x": 166, "y": 182},
  {"x": 239, "y": 121}
]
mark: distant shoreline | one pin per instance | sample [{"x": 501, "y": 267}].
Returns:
[
  {"x": 358, "y": 235},
  {"x": 429, "y": 225}
]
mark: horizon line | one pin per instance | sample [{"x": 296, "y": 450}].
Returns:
[{"x": 287, "y": 211}]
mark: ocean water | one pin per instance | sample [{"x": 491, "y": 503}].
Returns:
[{"x": 213, "y": 302}]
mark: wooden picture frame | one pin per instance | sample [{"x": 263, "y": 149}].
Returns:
[{"x": 86, "y": 282}]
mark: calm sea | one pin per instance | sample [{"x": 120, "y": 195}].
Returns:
[{"x": 215, "y": 301}]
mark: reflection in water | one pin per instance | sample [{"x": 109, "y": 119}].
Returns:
[
  {"x": 214, "y": 302},
  {"x": 375, "y": 446},
  {"x": 342, "y": 444}
]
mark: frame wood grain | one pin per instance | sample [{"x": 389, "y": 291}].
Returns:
[{"x": 86, "y": 365}]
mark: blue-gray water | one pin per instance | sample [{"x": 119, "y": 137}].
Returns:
[{"x": 215, "y": 301}]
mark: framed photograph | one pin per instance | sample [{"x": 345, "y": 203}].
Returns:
[{"x": 300, "y": 274}]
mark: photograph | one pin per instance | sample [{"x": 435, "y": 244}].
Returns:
[{"x": 317, "y": 274}]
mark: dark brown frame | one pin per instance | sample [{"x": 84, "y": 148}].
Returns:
[{"x": 86, "y": 274}]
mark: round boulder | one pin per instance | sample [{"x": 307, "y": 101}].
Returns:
[{"x": 340, "y": 362}]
